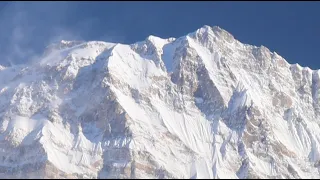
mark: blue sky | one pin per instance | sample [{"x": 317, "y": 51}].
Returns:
[{"x": 292, "y": 29}]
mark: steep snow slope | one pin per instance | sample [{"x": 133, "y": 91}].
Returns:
[{"x": 200, "y": 106}]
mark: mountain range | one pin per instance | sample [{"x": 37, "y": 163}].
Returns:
[{"x": 200, "y": 106}]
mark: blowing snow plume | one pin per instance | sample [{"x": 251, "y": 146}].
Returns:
[{"x": 28, "y": 27}]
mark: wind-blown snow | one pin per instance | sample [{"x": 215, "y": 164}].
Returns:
[{"x": 200, "y": 106}]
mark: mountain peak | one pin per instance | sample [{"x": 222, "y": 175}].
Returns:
[{"x": 200, "y": 106}]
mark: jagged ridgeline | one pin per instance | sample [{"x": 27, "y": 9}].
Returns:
[{"x": 200, "y": 106}]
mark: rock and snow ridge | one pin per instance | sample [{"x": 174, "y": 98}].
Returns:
[{"x": 200, "y": 106}]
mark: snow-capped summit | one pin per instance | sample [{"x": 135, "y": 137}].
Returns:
[{"x": 200, "y": 106}]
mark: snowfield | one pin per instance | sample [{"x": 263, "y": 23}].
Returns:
[{"x": 200, "y": 106}]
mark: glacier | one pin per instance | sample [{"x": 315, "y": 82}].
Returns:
[{"x": 203, "y": 105}]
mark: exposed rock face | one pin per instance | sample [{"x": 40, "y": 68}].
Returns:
[{"x": 200, "y": 106}]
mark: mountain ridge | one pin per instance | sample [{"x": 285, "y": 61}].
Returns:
[{"x": 200, "y": 106}]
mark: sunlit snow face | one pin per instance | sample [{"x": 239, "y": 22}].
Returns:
[{"x": 201, "y": 106}]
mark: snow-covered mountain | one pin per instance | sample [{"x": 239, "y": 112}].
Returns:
[{"x": 200, "y": 106}]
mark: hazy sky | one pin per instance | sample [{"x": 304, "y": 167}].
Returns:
[{"x": 292, "y": 29}]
